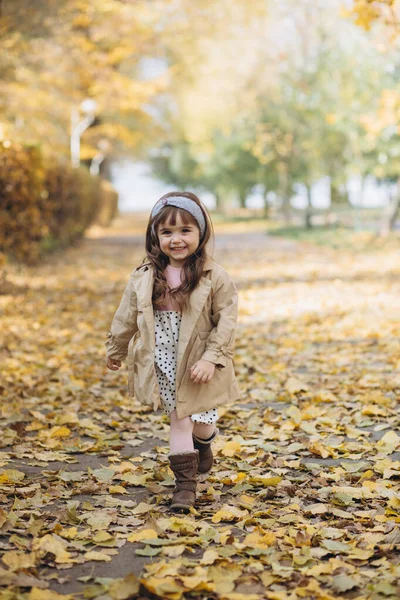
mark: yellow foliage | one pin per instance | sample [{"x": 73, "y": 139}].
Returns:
[
  {"x": 53, "y": 544},
  {"x": 45, "y": 204},
  {"x": 11, "y": 476},
  {"x": 231, "y": 448},
  {"x": 143, "y": 534}
]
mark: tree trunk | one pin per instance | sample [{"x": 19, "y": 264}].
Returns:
[
  {"x": 284, "y": 192},
  {"x": 266, "y": 205},
  {"x": 335, "y": 196},
  {"x": 242, "y": 196},
  {"x": 220, "y": 197},
  {"x": 395, "y": 212},
  {"x": 358, "y": 214},
  {"x": 390, "y": 214},
  {"x": 308, "y": 212}
]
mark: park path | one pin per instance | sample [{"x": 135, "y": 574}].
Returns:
[{"x": 303, "y": 501}]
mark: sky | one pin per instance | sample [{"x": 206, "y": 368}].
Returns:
[{"x": 139, "y": 191}]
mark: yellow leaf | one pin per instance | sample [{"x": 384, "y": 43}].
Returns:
[
  {"x": 117, "y": 489},
  {"x": 389, "y": 442},
  {"x": 3, "y": 517},
  {"x": 60, "y": 432},
  {"x": 196, "y": 578},
  {"x": 239, "y": 596},
  {"x": 325, "y": 396},
  {"x": 102, "y": 536},
  {"x": 228, "y": 513},
  {"x": 38, "y": 594},
  {"x": 266, "y": 481},
  {"x": 394, "y": 502},
  {"x": 69, "y": 534},
  {"x": 164, "y": 587},
  {"x": 68, "y": 417},
  {"x": 209, "y": 557},
  {"x": 143, "y": 508},
  {"x": 143, "y": 534},
  {"x": 174, "y": 551},
  {"x": 360, "y": 554},
  {"x": 231, "y": 448},
  {"x": 53, "y": 544},
  {"x": 246, "y": 501},
  {"x": 295, "y": 386},
  {"x": 134, "y": 478},
  {"x": 100, "y": 556},
  {"x": 295, "y": 415},
  {"x": 11, "y": 476},
  {"x": 372, "y": 410},
  {"x": 223, "y": 577},
  {"x": 278, "y": 367},
  {"x": 99, "y": 520},
  {"x": 16, "y": 560},
  {"x": 258, "y": 539},
  {"x": 318, "y": 449},
  {"x": 317, "y": 509},
  {"x": 122, "y": 589}
]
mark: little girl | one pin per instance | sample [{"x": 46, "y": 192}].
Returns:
[{"x": 176, "y": 327}]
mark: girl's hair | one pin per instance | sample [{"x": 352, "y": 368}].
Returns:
[{"x": 193, "y": 266}]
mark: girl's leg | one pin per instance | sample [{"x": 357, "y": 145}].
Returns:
[
  {"x": 203, "y": 430},
  {"x": 184, "y": 462},
  {"x": 180, "y": 437},
  {"x": 203, "y": 435}
]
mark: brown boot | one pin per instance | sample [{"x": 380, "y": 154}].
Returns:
[
  {"x": 184, "y": 466},
  {"x": 206, "y": 458}
]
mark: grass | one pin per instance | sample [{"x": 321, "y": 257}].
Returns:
[{"x": 337, "y": 237}]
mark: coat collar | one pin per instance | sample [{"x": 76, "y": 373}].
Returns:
[
  {"x": 190, "y": 316},
  {"x": 145, "y": 277},
  {"x": 144, "y": 289}
]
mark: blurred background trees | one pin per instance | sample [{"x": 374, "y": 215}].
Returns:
[
  {"x": 256, "y": 99},
  {"x": 275, "y": 100}
]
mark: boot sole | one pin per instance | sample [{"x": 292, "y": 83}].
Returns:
[{"x": 178, "y": 507}]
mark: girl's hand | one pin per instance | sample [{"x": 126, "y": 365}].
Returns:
[
  {"x": 202, "y": 371},
  {"x": 112, "y": 364}
]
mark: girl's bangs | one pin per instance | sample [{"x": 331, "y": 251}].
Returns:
[{"x": 169, "y": 214}]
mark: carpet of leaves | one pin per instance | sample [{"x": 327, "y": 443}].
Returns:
[{"x": 303, "y": 502}]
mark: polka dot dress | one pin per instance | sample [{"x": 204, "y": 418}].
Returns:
[{"x": 167, "y": 325}]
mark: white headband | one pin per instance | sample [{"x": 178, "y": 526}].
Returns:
[{"x": 182, "y": 202}]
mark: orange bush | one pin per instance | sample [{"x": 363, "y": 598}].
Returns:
[{"x": 45, "y": 205}]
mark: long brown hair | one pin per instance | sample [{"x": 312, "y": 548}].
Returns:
[{"x": 193, "y": 266}]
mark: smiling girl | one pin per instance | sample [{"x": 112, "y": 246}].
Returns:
[{"x": 176, "y": 326}]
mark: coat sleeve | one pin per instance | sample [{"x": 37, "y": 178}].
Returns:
[
  {"x": 220, "y": 343},
  {"x": 123, "y": 326}
]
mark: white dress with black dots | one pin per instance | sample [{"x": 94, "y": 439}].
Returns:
[{"x": 167, "y": 325}]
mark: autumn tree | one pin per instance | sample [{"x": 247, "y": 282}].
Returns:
[{"x": 55, "y": 54}]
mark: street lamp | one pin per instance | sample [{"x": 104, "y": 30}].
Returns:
[
  {"x": 78, "y": 126},
  {"x": 102, "y": 149}
]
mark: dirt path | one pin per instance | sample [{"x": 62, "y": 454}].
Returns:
[{"x": 303, "y": 502}]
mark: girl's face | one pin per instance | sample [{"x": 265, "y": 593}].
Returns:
[{"x": 178, "y": 241}]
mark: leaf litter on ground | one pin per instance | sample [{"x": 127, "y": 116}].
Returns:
[{"x": 303, "y": 501}]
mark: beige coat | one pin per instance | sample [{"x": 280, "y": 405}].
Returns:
[{"x": 207, "y": 331}]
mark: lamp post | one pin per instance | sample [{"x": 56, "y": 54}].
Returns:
[
  {"x": 102, "y": 148},
  {"x": 78, "y": 126}
]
